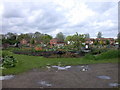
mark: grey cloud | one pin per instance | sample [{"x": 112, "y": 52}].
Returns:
[
  {"x": 12, "y": 11},
  {"x": 101, "y": 7},
  {"x": 16, "y": 19},
  {"x": 50, "y": 20}
]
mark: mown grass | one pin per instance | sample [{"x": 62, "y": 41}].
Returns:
[{"x": 26, "y": 63}]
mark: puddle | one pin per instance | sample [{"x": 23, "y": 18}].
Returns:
[
  {"x": 61, "y": 68},
  {"x": 7, "y": 77},
  {"x": 44, "y": 83},
  {"x": 104, "y": 77},
  {"x": 114, "y": 84}
]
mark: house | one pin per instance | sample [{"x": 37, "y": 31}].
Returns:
[
  {"x": 24, "y": 42},
  {"x": 111, "y": 40},
  {"x": 89, "y": 41},
  {"x": 56, "y": 42}
]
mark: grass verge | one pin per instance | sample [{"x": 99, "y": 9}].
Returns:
[{"x": 26, "y": 63}]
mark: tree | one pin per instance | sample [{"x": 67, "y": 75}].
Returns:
[
  {"x": 24, "y": 36},
  {"x": 107, "y": 42},
  {"x": 60, "y": 36},
  {"x": 37, "y": 35},
  {"x": 99, "y": 35},
  {"x": 32, "y": 41},
  {"x": 46, "y": 38},
  {"x": 87, "y": 35},
  {"x": 69, "y": 39},
  {"x": 31, "y": 35},
  {"x": 96, "y": 42},
  {"x": 101, "y": 42},
  {"x": 10, "y": 38},
  {"x": 78, "y": 40}
]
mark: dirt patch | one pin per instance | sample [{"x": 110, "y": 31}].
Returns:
[{"x": 71, "y": 78}]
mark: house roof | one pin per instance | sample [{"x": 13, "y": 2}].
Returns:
[
  {"x": 104, "y": 39},
  {"x": 89, "y": 39}
]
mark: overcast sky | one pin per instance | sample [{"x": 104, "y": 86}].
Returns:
[{"x": 54, "y": 16}]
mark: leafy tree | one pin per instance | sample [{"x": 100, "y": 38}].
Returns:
[
  {"x": 96, "y": 42},
  {"x": 99, "y": 35},
  {"x": 32, "y": 41},
  {"x": 37, "y": 35},
  {"x": 46, "y": 38},
  {"x": 60, "y": 36},
  {"x": 77, "y": 40},
  {"x": 24, "y": 36},
  {"x": 31, "y": 35},
  {"x": 101, "y": 42},
  {"x": 69, "y": 39},
  {"x": 107, "y": 42},
  {"x": 10, "y": 38}
]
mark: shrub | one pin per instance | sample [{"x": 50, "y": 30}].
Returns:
[
  {"x": 6, "y": 53},
  {"x": 8, "y": 61},
  {"x": 98, "y": 50}
]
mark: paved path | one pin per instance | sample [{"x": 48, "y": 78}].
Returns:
[{"x": 72, "y": 78}]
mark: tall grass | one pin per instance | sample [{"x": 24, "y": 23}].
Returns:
[
  {"x": 105, "y": 55},
  {"x": 109, "y": 55}
]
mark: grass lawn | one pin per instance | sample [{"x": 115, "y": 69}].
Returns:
[{"x": 26, "y": 63}]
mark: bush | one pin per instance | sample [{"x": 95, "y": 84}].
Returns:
[
  {"x": 6, "y": 53},
  {"x": 8, "y": 61},
  {"x": 98, "y": 50},
  {"x": 109, "y": 54}
]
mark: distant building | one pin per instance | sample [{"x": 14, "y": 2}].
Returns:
[
  {"x": 56, "y": 42},
  {"x": 92, "y": 40},
  {"x": 24, "y": 41},
  {"x": 111, "y": 40},
  {"x": 89, "y": 41}
]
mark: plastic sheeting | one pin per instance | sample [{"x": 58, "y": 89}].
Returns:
[
  {"x": 45, "y": 83},
  {"x": 114, "y": 84},
  {"x": 7, "y": 77},
  {"x": 61, "y": 68},
  {"x": 104, "y": 77}
]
